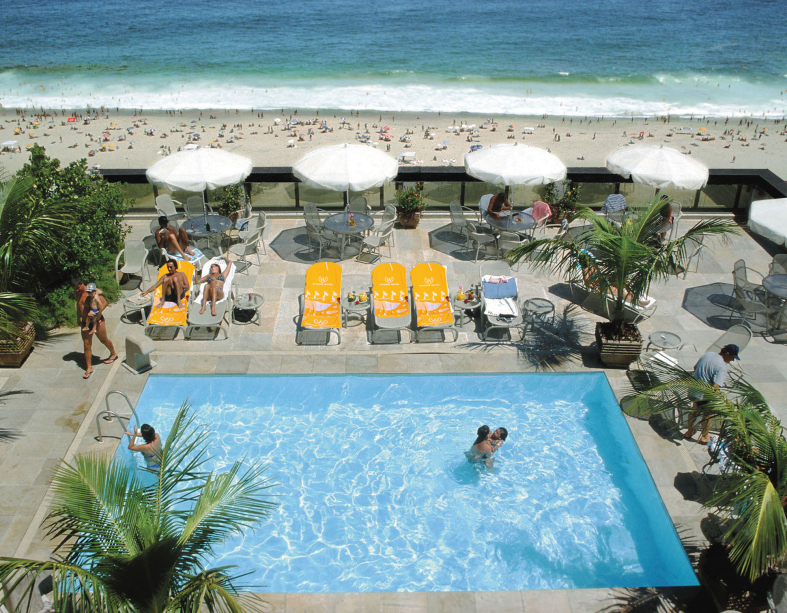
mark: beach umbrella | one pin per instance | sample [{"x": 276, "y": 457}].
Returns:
[
  {"x": 199, "y": 170},
  {"x": 514, "y": 165},
  {"x": 658, "y": 166},
  {"x": 344, "y": 167}
]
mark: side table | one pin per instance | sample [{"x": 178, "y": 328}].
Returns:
[
  {"x": 350, "y": 308},
  {"x": 462, "y": 306},
  {"x": 538, "y": 307},
  {"x": 136, "y": 304},
  {"x": 664, "y": 340},
  {"x": 249, "y": 305}
]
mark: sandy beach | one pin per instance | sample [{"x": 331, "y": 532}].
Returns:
[{"x": 122, "y": 139}]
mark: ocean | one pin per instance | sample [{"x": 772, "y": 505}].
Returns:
[{"x": 556, "y": 57}]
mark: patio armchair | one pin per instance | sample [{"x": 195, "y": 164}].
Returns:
[
  {"x": 458, "y": 219},
  {"x": 196, "y": 207},
  {"x": 250, "y": 245},
  {"x": 371, "y": 246},
  {"x": 507, "y": 241},
  {"x": 165, "y": 205},
  {"x": 387, "y": 214},
  {"x": 358, "y": 204},
  {"x": 478, "y": 237},
  {"x": 135, "y": 257},
  {"x": 748, "y": 299}
]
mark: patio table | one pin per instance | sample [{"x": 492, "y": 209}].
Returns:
[
  {"x": 196, "y": 227},
  {"x": 776, "y": 285},
  {"x": 339, "y": 223},
  {"x": 516, "y": 222}
]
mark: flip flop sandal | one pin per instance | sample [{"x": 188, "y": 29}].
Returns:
[
  {"x": 111, "y": 361},
  {"x": 86, "y": 376}
]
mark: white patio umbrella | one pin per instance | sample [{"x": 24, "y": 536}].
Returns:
[
  {"x": 658, "y": 166},
  {"x": 514, "y": 165},
  {"x": 343, "y": 168},
  {"x": 198, "y": 170}
]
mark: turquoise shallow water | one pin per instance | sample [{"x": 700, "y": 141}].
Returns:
[
  {"x": 575, "y": 57},
  {"x": 375, "y": 493}
]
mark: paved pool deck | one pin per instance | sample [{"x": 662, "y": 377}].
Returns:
[{"x": 47, "y": 412}]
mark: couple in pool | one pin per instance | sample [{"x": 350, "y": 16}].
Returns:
[{"x": 486, "y": 444}]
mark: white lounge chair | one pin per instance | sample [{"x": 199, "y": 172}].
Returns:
[{"x": 205, "y": 326}]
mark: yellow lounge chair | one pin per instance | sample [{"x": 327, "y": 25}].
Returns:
[
  {"x": 169, "y": 314},
  {"x": 432, "y": 300},
  {"x": 320, "y": 308},
  {"x": 391, "y": 305}
]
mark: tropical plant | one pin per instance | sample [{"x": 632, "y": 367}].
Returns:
[
  {"x": 619, "y": 261},
  {"x": 410, "y": 199},
  {"x": 562, "y": 200},
  {"x": 752, "y": 493},
  {"x": 131, "y": 547},
  {"x": 230, "y": 199},
  {"x": 31, "y": 230}
]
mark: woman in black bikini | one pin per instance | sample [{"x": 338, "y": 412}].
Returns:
[
  {"x": 214, "y": 286},
  {"x": 150, "y": 449}
]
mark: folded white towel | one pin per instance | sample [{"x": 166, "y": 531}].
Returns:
[{"x": 496, "y": 307}]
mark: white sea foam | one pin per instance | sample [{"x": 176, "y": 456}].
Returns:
[{"x": 665, "y": 94}]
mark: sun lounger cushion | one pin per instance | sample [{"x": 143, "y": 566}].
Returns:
[
  {"x": 321, "y": 294},
  {"x": 169, "y": 313},
  {"x": 389, "y": 283},
  {"x": 430, "y": 292},
  {"x": 500, "y": 307},
  {"x": 498, "y": 287}
]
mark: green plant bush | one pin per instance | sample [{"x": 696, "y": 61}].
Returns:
[
  {"x": 230, "y": 199},
  {"x": 410, "y": 199},
  {"x": 94, "y": 237}
]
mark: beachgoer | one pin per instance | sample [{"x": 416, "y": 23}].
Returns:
[
  {"x": 711, "y": 368},
  {"x": 494, "y": 206},
  {"x": 214, "y": 285},
  {"x": 86, "y": 296},
  {"x": 150, "y": 449},
  {"x": 174, "y": 284},
  {"x": 174, "y": 241}
]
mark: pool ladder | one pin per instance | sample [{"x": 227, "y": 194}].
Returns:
[{"x": 108, "y": 415}]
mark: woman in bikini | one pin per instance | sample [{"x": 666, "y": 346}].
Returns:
[
  {"x": 214, "y": 286},
  {"x": 150, "y": 449},
  {"x": 486, "y": 444}
]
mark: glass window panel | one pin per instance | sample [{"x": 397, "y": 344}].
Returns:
[
  {"x": 474, "y": 191},
  {"x": 273, "y": 195},
  {"x": 323, "y": 198},
  {"x": 438, "y": 195},
  {"x": 141, "y": 194},
  {"x": 594, "y": 194},
  {"x": 372, "y": 197}
]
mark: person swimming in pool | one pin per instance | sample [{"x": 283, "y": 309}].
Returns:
[
  {"x": 486, "y": 444},
  {"x": 151, "y": 449}
]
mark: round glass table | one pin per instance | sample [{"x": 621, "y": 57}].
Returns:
[
  {"x": 209, "y": 227},
  {"x": 776, "y": 285},
  {"x": 355, "y": 307},
  {"x": 246, "y": 308},
  {"x": 466, "y": 305},
  {"x": 339, "y": 223},
  {"x": 664, "y": 340},
  {"x": 538, "y": 308},
  {"x": 516, "y": 222}
]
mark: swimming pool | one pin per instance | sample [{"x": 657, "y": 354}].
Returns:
[{"x": 376, "y": 494}]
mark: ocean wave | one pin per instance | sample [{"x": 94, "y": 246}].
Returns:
[{"x": 658, "y": 95}]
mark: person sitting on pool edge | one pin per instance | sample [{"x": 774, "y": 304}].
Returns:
[
  {"x": 151, "y": 449},
  {"x": 494, "y": 206}
]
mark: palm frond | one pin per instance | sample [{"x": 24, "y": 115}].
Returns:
[{"x": 215, "y": 590}]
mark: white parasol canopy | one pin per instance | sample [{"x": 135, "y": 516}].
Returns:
[
  {"x": 343, "y": 168},
  {"x": 658, "y": 166},
  {"x": 514, "y": 165},
  {"x": 196, "y": 171}
]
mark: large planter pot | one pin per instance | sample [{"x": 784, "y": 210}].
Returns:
[
  {"x": 14, "y": 351},
  {"x": 728, "y": 590},
  {"x": 408, "y": 219},
  {"x": 617, "y": 354}
]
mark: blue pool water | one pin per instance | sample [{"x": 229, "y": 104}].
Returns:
[{"x": 375, "y": 492}]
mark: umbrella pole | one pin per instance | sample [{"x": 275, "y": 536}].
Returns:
[
  {"x": 205, "y": 206},
  {"x": 346, "y": 198}
]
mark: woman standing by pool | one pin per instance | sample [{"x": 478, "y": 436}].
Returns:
[{"x": 150, "y": 449}]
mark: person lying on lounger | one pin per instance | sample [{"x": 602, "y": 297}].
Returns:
[
  {"x": 174, "y": 284},
  {"x": 174, "y": 241},
  {"x": 214, "y": 286}
]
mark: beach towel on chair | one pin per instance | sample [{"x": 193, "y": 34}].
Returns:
[
  {"x": 430, "y": 292},
  {"x": 229, "y": 277},
  {"x": 169, "y": 313},
  {"x": 541, "y": 210},
  {"x": 321, "y": 295},
  {"x": 498, "y": 287},
  {"x": 389, "y": 285},
  {"x": 500, "y": 307},
  {"x": 198, "y": 255}
]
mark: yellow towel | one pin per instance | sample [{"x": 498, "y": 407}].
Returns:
[
  {"x": 389, "y": 287},
  {"x": 321, "y": 296},
  {"x": 169, "y": 313},
  {"x": 430, "y": 292}
]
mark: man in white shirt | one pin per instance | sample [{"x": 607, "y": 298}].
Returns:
[{"x": 712, "y": 368}]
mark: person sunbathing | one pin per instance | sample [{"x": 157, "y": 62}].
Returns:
[
  {"x": 174, "y": 284},
  {"x": 214, "y": 286},
  {"x": 174, "y": 241}
]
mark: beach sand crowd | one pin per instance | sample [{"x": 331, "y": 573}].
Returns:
[{"x": 115, "y": 139}]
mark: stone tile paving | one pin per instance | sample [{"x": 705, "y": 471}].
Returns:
[{"x": 51, "y": 410}]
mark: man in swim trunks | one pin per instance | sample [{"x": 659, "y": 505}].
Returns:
[
  {"x": 88, "y": 296},
  {"x": 174, "y": 284},
  {"x": 174, "y": 241}
]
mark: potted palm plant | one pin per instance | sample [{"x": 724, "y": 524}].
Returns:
[
  {"x": 409, "y": 204},
  {"x": 751, "y": 494},
  {"x": 616, "y": 263}
]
